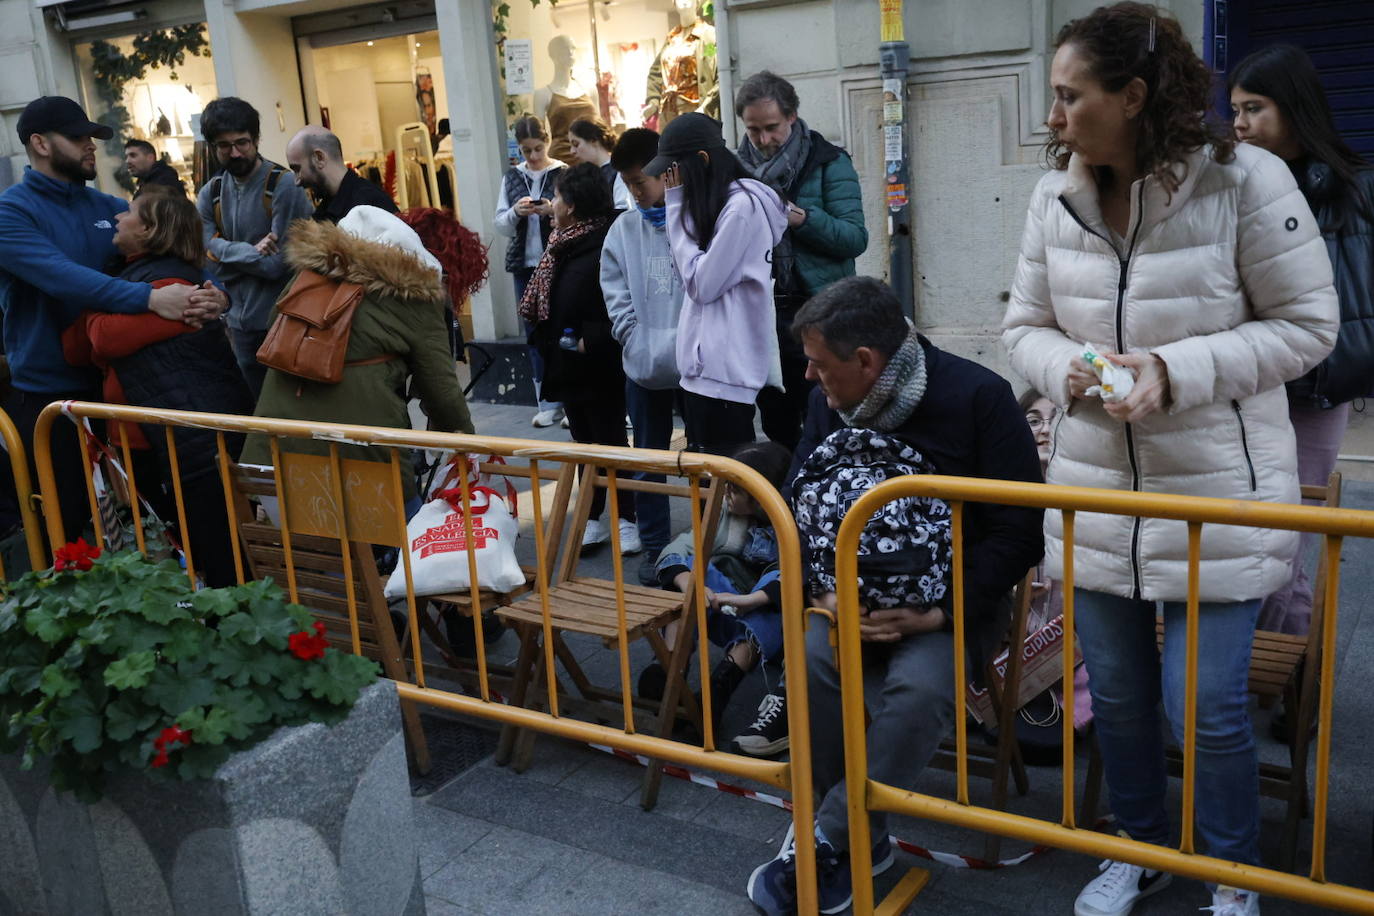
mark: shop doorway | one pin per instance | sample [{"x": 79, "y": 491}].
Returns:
[{"x": 380, "y": 88}]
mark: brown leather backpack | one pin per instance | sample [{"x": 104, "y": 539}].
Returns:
[{"x": 310, "y": 336}]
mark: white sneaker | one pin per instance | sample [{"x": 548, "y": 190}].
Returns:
[
  {"x": 1116, "y": 890},
  {"x": 594, "y": 534},
  {"x": 629, "y": 538},
  {"x": 563, "y": 422},
  {"x": 1232, "y": 901},
  {"x": 548, "y": 418}
]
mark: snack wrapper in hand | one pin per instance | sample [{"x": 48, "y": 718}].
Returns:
[{"x": 1115, "y": 382}]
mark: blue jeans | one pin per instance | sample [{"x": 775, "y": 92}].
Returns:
[
  {"x": 651, "y": 413},
  {"x": 760, "y": 626},
  {"x": 246, "y": 345},
  {"x": 1127, "y": 677},
  {"x": 522, "y": 279}
]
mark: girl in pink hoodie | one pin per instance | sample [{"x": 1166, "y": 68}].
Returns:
[{"x": 722, "y": 228}]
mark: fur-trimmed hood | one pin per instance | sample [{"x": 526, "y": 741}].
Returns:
[{"x": 380, "y": 269}]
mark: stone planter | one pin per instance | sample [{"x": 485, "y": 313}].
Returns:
[{"x": 313, "y": 820}]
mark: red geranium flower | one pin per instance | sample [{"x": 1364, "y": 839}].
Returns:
[
  {"x": 75, "y": 556},
  {"x": 307, "y": 647},
  {"x": 169, "y": 736}
]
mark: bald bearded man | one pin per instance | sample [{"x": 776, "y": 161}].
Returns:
[{"x": 316, "y": 159}]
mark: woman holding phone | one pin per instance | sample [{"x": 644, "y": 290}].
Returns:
[{"x": 524, "y": 214}]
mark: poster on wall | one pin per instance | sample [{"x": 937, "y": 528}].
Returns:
[{"x": 519, "y": 66}]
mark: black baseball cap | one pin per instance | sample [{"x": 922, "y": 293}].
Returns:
[
  {"x": 58, "y": 114},
  {"x": 685, "y": 135}
]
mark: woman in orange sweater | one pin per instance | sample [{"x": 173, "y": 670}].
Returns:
[{"x": 149, "y": 361}]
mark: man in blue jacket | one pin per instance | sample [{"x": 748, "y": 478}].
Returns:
[
  {"x": 55, "y": 236},
  {"x": 825, "y": 226}
]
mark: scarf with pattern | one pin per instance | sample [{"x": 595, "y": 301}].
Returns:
[
  {"x": 534, "y": 306},
  {"x": 894, "y": 396}
]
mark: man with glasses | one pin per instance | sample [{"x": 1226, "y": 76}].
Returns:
[{"x": 245, "y": 211}]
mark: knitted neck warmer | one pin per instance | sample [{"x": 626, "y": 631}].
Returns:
[{"x": 895, "y": 394}]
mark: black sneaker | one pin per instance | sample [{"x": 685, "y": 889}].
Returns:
[
  {"x": 653, "y": 681},
  {"x": 768, "y": 735}
]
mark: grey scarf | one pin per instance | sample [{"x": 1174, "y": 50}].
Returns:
[
  {"x": 781, "y": 170},
  {"x": 894, "y": 396}
]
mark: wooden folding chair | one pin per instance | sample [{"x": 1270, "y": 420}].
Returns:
[
  {"x": 329, "y": 577},
  {"x": 1281, "y": 665},
  {"x": 579, "y": 604},
  {"x": 1005, "y": 756}
]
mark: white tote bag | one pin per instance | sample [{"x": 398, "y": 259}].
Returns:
[{"x": 438, "y": 544}]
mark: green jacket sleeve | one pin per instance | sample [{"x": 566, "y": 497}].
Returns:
[
  {"x": 835, "y": 224},
  {"x": 436, "y": 378}
]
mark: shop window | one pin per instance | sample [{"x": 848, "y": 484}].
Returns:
[{"x": 162, "y": 105}]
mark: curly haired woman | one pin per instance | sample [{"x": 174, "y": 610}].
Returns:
[{"x": 1199, "y": 266}]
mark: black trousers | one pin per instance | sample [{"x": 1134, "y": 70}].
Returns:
[
  {"x": 716, "y": 426},
  {"x": 601, "y": 421},
  {"x": 73, "y": 500},
  {"x": 208, "y": 534},
  {"x": 783, "y": 413}
]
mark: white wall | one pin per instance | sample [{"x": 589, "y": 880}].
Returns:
[
  {"x": 255, "y": 59},
  {"x": 978, "y": 96}
]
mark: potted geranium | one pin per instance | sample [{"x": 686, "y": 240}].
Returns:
[{"x": 119, "y": 681}]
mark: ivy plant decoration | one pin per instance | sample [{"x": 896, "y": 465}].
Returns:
[
  {"x": 113, "y": 70},
  {"x": 111, "y": 662}
]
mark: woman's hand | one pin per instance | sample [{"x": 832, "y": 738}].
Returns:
[
  {"x": 524, "y": 207},
  {"x": 1150, "y": 393},
  {"x": 1081, "y": 377},
  {"x": 672, "y": 176},
  {"x": 543, "y": 207}
]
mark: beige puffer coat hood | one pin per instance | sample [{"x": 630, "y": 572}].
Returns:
[{"x": 1229, "y": 283}]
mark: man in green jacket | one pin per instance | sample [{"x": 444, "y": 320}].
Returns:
[{"x": 825, "y": 226}]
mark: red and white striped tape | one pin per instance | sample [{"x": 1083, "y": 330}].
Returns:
[{"x": 953, "y": 860}]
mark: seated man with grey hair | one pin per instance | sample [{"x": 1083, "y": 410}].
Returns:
[
  {"x": 878, "y": 378},
  {"x": 316, "y": 158}
]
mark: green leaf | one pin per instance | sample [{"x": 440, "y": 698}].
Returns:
[
  {"x": 131, "y": 670},
  {"x": 186, "y": 639},
  {"x": 45, "y": 623},
  {"x": 78, "y": 720},
  {"x": 58, "y": 682},
  {"x": 176, "y": 693},
  {"x": 215, "y": 602},
  {"x": 240, "y": 627},
  {"x": 129, "y": 716}
]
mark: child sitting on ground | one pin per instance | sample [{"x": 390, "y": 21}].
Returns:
[{"x": 742, "y": 591}]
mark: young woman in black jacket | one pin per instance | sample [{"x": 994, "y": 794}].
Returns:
[
  {"x": 1278, "y": 104},
  {"x": 572, "y": 331}
]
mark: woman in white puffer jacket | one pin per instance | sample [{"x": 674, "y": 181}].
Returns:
[{"x": 1201, "y": 265}]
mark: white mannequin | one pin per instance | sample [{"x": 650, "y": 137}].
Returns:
[
  {"x": 563, "y": 54},
  {"x": 688, "y": 13}
]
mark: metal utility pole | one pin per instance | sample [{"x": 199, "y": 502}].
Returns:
[{"x": 894, "y": 55}]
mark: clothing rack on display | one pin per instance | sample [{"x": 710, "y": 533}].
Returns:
[
  {"x": 416, "y": 184},
  {"x": 371, "y": 165},
  {"x": 447, "y": 183}
]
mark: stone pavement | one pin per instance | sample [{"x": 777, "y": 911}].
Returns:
[{"x": 568, "y": 836}]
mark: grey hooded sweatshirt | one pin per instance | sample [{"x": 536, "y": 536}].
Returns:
[
  {"x": 643, "y": 297},
  {"x": 253, "y": 281}
]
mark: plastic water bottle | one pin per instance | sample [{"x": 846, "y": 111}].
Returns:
[{"x": 569, "y": 340}]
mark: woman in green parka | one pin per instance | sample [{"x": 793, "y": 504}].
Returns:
[{"x": 402, "y": 316}]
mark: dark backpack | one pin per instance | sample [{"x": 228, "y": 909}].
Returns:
[
  {"x": 904, "y": 550},
  {"x": 269, "y": 191}
]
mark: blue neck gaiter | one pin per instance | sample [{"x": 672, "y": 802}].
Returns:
[{"x": 655, "y": 216}]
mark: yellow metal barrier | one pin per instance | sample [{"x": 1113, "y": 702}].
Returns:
[
  {"x": 866, "y": 794},
  {"x": 24, "y": 495},
  {"x": 328, "y": 497}
]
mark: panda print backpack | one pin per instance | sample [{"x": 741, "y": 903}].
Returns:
[{"x": 904, "y": 550}]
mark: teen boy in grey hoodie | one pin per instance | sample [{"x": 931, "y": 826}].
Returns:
[{"x": 643, "y": 297}]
